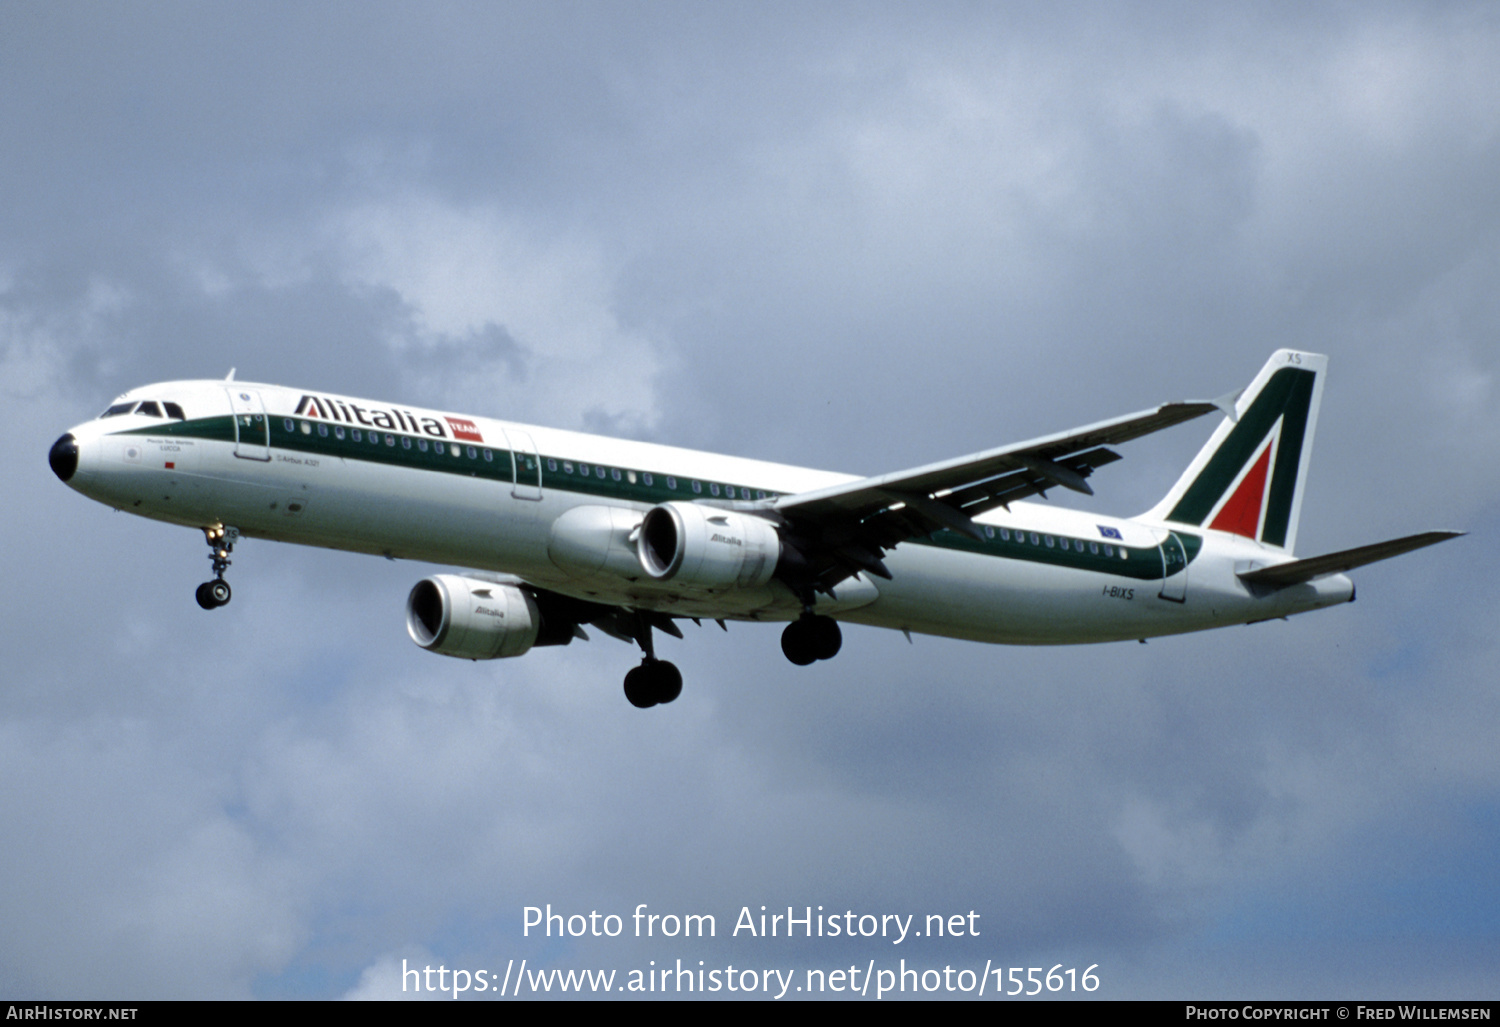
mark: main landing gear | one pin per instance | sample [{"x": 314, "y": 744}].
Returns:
[
  {"x": 811, "y": 637},
  {"x": 655, "y": 681},
  {"x": 215, "y": 593}
]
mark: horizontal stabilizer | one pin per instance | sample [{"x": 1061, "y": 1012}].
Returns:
[{"x": 1297, "y": 571}]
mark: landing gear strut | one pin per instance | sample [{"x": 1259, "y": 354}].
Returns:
[
  {"x": 215, "y": 593},
  {"x": 811, "y": 637},
  {"x": 654, "y": 681}
]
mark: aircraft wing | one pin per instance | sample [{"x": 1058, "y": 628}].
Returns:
[{"x": 846, "y": 528}]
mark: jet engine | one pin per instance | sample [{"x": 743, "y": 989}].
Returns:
[
  {"x": 707, "y": 547},
  {"x": 473, "y": 619}
]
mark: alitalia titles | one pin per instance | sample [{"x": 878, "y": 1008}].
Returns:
[{"x": 390, "y": 419}]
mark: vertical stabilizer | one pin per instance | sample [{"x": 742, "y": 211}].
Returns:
[{"x": 1248, "y": 479}]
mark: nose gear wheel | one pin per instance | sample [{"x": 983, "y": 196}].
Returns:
[{"x": 215, "y": 593}]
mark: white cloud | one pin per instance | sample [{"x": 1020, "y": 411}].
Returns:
[{"x": 465, "y": 271}]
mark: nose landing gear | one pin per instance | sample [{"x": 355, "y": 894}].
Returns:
[{"x": 221, "y": 540}]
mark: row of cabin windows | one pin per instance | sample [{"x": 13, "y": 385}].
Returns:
[
  {"x": 147, "y": 408},
  {"x": 647, "y": 478},
  {"x": 375, "y": 438},
  {"x": 568, "y": 467},
  {"x": 1054, "y": 542}
]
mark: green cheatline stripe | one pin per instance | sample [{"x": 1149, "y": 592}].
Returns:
[
  {"x": 1287, "y": 395},
  {"x": 493, "y": 464}
]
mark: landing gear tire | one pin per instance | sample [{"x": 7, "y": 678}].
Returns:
[
  {"x": 668, "y": 682},
  {"x": 826, "y": 637},
  {"x": 812, "y": 638},
  {"x": 638, "y": 688},
  {"x": 653, "y": 682},
  {"x": 795, "y": 645},
  {"x": 213, "y": 594},
  {"x": 221, "y": 540}
]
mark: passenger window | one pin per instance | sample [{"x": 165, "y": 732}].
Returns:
[
  {"x": 474, "y": 455},
  {"x": 422, "y": 445},
  {"x": 598, "y": 471},
  {"x": 671, "y": 483},
  {"x": 1004, "y": 534},
  {"x": 339, "y": 432},
  {"x": 568, "y": 466},
  {"x": 615, "y": 474},
  {"x": 355, "y": 435},
  {"x": 1036, "y": 539},
  {"x": 714, "y": 488},
  {"x": 551, "y": 463},
  {"x": 406, "y": 442},
  {"x": 306, "y": 428},
  {"x": 697, "y": 486},
  {"x": 1049, "y": 542},
  {"x": 489, "y": 456},
  {"x": 646, "y": 478},
  {"x": 583, "y": 469},
  {"x": 323, "y": 431},
  {"x": 286, "y": 423}
]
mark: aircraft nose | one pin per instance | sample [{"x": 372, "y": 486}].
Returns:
[{"x": 64, "y": 457}]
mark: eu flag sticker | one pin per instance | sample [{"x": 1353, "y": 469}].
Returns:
[{"x": 1108, "y": 532}]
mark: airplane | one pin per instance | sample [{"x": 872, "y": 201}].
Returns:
[{"x": 557, "y": 530}]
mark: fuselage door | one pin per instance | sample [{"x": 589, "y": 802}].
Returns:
[
  {"x": 525, "y": 465},
  {"x": 252, "y": 429},
  {"x": 1174, "y": 565}
]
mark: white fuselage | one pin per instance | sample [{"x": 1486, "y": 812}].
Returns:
[{"x": 559, "y": 509}]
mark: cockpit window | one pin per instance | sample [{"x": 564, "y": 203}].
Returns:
[
  {"x": 149, "y": 408},
  {"x": 173, "y": 410},
  {"x": 118, "y": 409}
]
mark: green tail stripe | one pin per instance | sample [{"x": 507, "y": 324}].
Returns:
[{"x": 1288, "y": 395}]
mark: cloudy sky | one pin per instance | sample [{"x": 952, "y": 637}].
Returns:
[{"x": 853, "y": 236}]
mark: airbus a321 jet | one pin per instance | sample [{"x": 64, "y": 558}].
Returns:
[{"x": 558, "y": 530}]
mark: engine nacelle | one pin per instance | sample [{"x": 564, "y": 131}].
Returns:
[
  {"x": 470, "y": 618},
  {"x": 707, "y": 547}
]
